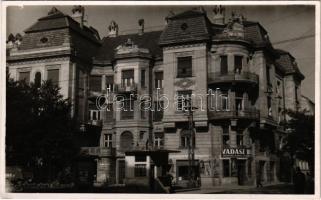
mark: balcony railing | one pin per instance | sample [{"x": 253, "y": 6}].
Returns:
[
  {"x": 246, "y": 77},
  {"x": 249, "y": 113},
  {"x": 95, "y": 122},
  {"x": 121, "y": 88},
  {"x": 98, "y": 151}
]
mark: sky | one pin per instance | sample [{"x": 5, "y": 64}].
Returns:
[{"x": 281, "y": 22}]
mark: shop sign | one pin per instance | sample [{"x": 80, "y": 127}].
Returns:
[{"x": 235, "y": 152}]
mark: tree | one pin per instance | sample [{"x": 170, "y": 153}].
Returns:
[
  {"x": 299, "y": 141},
  {"x": 39, "y": 129}
]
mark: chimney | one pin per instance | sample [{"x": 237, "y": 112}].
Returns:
[
  {"x": 113, "y": 29},
  {"x": 141, "y": 23},
  {"x": 78, "y": 14},
  {"x": 219, "y": 15},
  {"x": 11, "y": 41}
]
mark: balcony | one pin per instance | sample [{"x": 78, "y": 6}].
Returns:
[
  {"x": 121, "y": 88},
  {"x": 95, "y": 122},
  {"x": 243, "y": 77},
  {"x": 98, "y": 151},
  {"x": 250, "y": 113}
]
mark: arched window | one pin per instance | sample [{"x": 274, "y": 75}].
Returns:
[
  {"x": 126, "y": 141},
  {"x": 38, "y": 79}
]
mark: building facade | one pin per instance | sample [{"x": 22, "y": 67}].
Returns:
[{"x": 237, "y": 83}]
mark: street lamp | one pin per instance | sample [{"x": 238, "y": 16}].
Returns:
[{"x": 190, "y": 109}]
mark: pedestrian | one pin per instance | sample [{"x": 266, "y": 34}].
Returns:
[
  {"x": 258, "y": 181},
  {"x": 299, "y": 181},
  {"x": 309, "y": 184}
]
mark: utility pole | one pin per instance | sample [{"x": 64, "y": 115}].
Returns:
[{"x": 191, "y": 155}]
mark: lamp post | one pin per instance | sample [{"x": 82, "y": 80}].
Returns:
[{"x": 191, "y": 172}]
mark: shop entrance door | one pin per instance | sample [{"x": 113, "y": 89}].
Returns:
[{"x": 241, "y": 171}]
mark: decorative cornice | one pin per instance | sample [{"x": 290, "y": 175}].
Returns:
[
  {"x": 185, "y": 46},
  {"x": 40, "y": 60}
]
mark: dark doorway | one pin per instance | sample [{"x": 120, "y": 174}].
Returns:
[
  {"x": 241, "y": 172},
  {"x": 121, "y": 171}
]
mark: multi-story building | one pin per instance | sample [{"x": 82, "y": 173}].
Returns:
[{"x": 238, "y": 84}]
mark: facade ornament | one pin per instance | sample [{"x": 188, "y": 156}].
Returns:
[
  {"x": 53, "y": 11},
  {"x": 184, "y": 83},
  {"x": 113, "y": 29}
]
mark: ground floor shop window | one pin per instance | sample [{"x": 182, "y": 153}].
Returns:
[{"x": 140, "y": 170}]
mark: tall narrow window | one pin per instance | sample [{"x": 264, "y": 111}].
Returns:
[
  {"x": 24, "y": 76},
  {"x": 38, "y": 79},
  {"x": 110, "y": 83},
  {"x": 53, "y": 76},
  {"x": 238, "y": 62},
  {"x": 158, "y": 111},
  {"x": 95, "y": 83},
  {"x": 268, "y": 78},
  {"x": 128, "y": 110},
  {"x": 224, "y": 68},
  {"x": 296, "y": 94},
  {"x": 184, "y": 67},
  {"x": 239, "y": 137},
  {"x": 108, "y": 140},
  {"x": 225, "y": 135},
  {"x": 224, "y": 100},
  {"x": 269, "y": 105},
  {"x": 186, "y": 139},
  {"x": 159, "y": 79},
  {"x": 183, "y": 99},
  {"x": 239, "y": 101},
  {"x": 159, "y": 140},
  {"x": 127, "y": 78},
  {"x": 142, "y": 78}
]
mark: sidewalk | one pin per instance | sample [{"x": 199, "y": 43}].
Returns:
[{"x": 272, "y": 188}]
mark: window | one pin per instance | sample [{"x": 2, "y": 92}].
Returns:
[
  {"x": 53, "y": 76},
  {"x": 239, "y": 101},
  {"x": 183, "y": 99},
  {"x": 95, "y": 83},
  {"x": 185, "y": 139},
  {"x": 142, "y": 78},
  {"x": 226, "y": 168},
  {"x": 226, "y": 135},
  {"x": 184, "y": 67},
  {"x": 158, "y": 111},
  {"x": 224, "y": 68},
  {"x": 296, "y": 94},
  {"x": 140, "y": 170},
  {"x": 108, "y": 140},
  {"x": 238, "y": 62},
  {"x": 278, "y": 85},
  {"x": 224, "y": 100},
  {"x": 127, "y": 78},
  {"x": 143, "y": 109},
  {"x": 110, "y": 83},
  {"x": 38, "y": 79},
  {"x": 140, "y": 158},
  {"x": 109, "y": 112},
  {"x": 159, "y": 140},
  {"x": 24, "y": 76},
  {"x": 239, "y": 137},
  {"x": 94, "y": 114},
  {"x": 141, "y": 135},
  {"x": 269, "y": 104},
  {"x": 127, "y": 112},
  {"x": 268, "y": 78},
  {"x": 159, "y": 79},
  {"x": 249, "y": 168}
]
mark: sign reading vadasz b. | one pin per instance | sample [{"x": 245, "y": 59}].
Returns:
[{"x": 235, "y": 152}]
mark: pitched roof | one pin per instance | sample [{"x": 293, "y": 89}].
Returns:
[
  {"x": 287, "y": 63},
  {"x": 59, "y": 20},
  {"x": 189, "y": 26},
  {"x": 148, "y": 40}
]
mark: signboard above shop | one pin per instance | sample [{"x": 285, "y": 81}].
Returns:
[{"x": 236, "y": 152}]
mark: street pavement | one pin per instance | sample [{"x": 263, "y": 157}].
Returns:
[{"x": 270, "y": 189}]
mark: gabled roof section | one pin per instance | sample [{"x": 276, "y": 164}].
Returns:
[
  {"x": 288, "y": 64},
  {"x": 148, "y": 40},
  {"x": 189, "y": 26}
]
